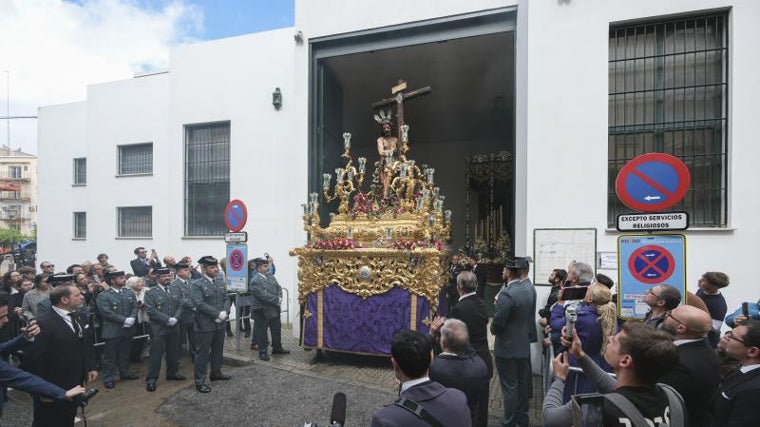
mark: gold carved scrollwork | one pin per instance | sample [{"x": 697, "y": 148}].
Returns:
[{"x": 419, "y": 271}]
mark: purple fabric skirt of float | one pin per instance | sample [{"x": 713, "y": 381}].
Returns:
[{"x": 340, "y": 321}]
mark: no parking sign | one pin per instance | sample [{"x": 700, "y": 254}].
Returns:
[{"x": 647, "y": 261}]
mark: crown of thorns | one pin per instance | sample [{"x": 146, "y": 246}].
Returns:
[{"x": 383, "y": 117}]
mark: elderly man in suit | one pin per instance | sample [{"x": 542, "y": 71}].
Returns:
[
  {"x": 459, "y": 367},
  {"x": 472, "y": 311},
  {"x": 118, "y": 308},
  {"x": 62, "y": 354},
  {"x": 164, "y": 310},
  {"x": 735, "y": 403},
  {"x": 514, "y": 328},
  {"x": 421, "y": 402},
  {"x": 267, "y": 297},
  {"x": 209, "y": 295},
  {"x": 698, "y": 367}
]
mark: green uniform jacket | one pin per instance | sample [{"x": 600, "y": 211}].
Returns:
[
  {"x": 114, "y": 307},
  {"x": 160, "y": 306},
  {"x": 210, "y": 299}
]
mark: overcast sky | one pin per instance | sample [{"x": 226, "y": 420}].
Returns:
[{"x": 53, "y": 49}]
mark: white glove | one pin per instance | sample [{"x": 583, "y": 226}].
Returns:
[
  {"x": 222, "y": 316},
  {"x": 129, "y": 322},
  {"x": 217, "y": 320},
  {"x": 172, "y": 321},
  {"x": 279, "y": 301}
]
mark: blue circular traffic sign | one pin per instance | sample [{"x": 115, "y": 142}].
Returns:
[
  {"x": 651, "y": 264},
  {"x": 653, "y": 182},
  {"x": 235, "y": 215}
]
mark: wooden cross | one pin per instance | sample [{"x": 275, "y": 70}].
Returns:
[{"x": 399, "y": 97}]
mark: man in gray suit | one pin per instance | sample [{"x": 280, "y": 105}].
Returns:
[
  {"x": 164, "y": 310},
  {"x": 514, "y": 328},
  {"x": 209, "y": 294},
  {"x": 118, "y": 308}
]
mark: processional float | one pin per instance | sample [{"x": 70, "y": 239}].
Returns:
[{"x": 380, "y": 264}]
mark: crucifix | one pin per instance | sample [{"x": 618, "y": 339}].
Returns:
[{"x": 399, "y": 97}]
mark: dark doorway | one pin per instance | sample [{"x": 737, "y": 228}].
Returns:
[{"x": 469, "y": 63}]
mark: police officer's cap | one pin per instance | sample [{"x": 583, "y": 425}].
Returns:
[
  {"x": 181, "y": 265},
  {"x": 259, "y": 261},
  {"x": 208, "y": 260},
  {"x": 518, "y": 263},
  {"x": 161, "y": 271},
  {"x": 111, "y": 274},
  {"x": 60, "y": 278}
]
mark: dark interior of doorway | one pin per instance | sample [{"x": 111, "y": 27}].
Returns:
[{"x": 469, "y": 112}]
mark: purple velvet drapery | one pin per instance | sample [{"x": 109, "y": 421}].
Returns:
[{"x": 356, "y": 325}]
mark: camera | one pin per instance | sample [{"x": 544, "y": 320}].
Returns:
[
  {"x": 266, "y": 255},
  {"x": 570, "y": 318},
  {"x": 745, "y": 309},
  {"x": 84, "y": 398}
]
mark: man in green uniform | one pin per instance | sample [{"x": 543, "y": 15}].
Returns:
[
  {"x": 118, "y": 308},
  {"x": 164, "y": 310},
  {"x": 209, "y": 295}
]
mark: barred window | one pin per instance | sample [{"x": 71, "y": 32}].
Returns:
[
  {"x": 15, "y": 172},
  {"x": 136, "y": 159},
  {"x": 80, "y": 171},
  {"x": 80, "y": 225},
  {"x": 135, "y": 221},
  {"x": 207, "y": 178},
  {"x": 668, "y": 93}
]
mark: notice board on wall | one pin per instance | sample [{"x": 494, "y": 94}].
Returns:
[{"x": 558, "y": 247}]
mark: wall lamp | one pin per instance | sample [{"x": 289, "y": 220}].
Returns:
[{"x": 277, "y": 99}]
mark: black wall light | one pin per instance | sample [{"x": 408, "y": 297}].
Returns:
[{"x": 277, "y": 99}]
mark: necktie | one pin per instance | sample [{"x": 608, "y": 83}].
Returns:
[{"x": 75, "y": 324}]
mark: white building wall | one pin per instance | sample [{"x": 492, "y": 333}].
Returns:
[{"x": 565, "y": 125}]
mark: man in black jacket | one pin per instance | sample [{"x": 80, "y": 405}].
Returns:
[
  {"x": 698, "y": 369},
  {"x": 459, "y": 367},
  {"x": 62, "y": 354},
  {"x": 736, "y": 402}
]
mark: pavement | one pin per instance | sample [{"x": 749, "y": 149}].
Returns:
[{"x": 286, "y": 391}]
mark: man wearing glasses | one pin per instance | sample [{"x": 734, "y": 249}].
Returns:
[
  {"x": 698, "y": 370},
  {"x": 660, "y": 299},
  {"x": 736, "y": 401},
  {"x": 48, "y": 268}
]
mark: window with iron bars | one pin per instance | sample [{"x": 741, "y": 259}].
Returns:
[
  {"x": 135, "y": 221},
  {"x": 668, "y": 93},
  {"x": 80, "y": 171},
  {"x": 136, "y": 159},
  {"x": 80, "y": 225},
  {"x": 207, "y": 178}
]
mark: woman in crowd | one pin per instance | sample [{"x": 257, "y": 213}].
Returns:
[{"x": 142, "y": 326}]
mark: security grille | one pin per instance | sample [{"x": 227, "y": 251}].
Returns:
[
  {"x": 207, "y": 178},
  {"x": 668, "y": 92},
  {"x": 80, "y": 225},
  {"x": 136, "y": 221},
  {"x": 80, "y": 171},
  {"x": 135, "y": 159}
]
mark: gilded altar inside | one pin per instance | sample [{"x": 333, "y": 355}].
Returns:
[{"x": 382, "y": 260}]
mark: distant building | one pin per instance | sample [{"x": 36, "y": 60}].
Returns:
[{"x": 18, "y": 190}]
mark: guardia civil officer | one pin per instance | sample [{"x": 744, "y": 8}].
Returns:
[
  {"x": 209, "y": 295},
  {"x": 118, "y": 308},
  {"x": 164, "y": 310},
  {"x": 181, "y": 287}
]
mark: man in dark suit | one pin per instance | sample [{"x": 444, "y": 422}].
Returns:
[
  {"x": 62, "y": 354},
  {"x": 472, "y": 311},
  {"x": 11, "y": 376},
  {"x": 164, "y": 310},
  {"x": 142, "y": 265},
  {"x": 735, "y": 404},
  {"x": 118, "y": 308},
  {"x": 267, "y": 297},
  {"x": 699, "y": 366},
  {"x": 420, "y": 399},
  {"x": 209, "y": 295},
  {"x": 514, "y": 328},
  {"x": 459, "y": 367},
  {"x": 480, "y": 273}
]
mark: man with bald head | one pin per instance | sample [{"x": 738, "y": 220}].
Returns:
[{"x": 698, "y": 369}]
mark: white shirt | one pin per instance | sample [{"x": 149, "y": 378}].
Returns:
[
  {"x": 406, "y": 385},
  {"x": 466, "y": 295},
  {"x": 747, "y": 368},
  {"x": 686, "y": 341},
  {"x": 66, "y": 318}
]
